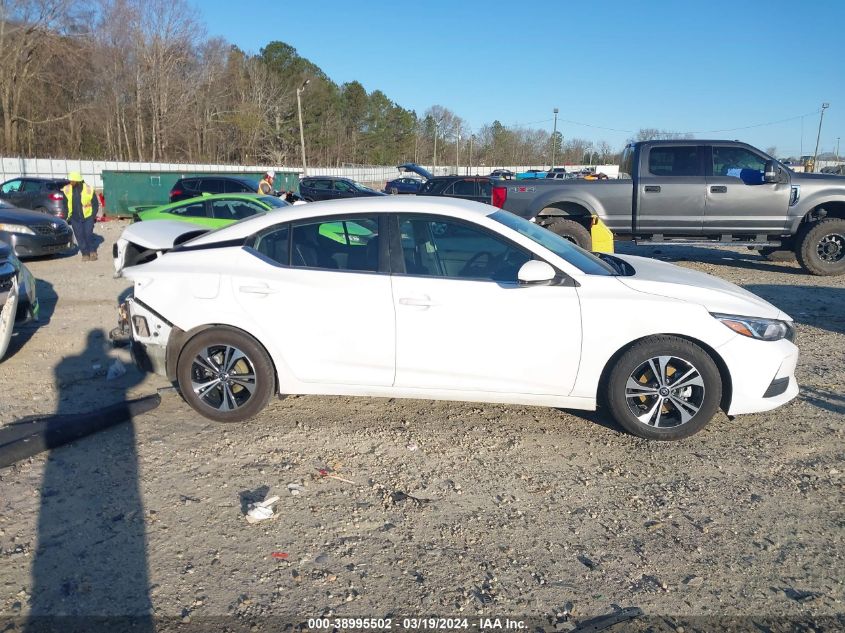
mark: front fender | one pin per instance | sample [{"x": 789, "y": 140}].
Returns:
[{"x": 807, "y": 203}]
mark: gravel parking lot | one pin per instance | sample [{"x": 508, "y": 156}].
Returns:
[{"x": 459, "y": 510}]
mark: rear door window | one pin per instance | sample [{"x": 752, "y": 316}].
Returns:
[
  {"x": 193, "y": 210},
  {"x": 681, "y": 160},
  {"x": 337, "y": 243},
  {"x": 234, "y": 209},
  {"x": 464, "y": 189},
  {"x": 31, "y": 186},
  {"x": 212, "y": 185}
]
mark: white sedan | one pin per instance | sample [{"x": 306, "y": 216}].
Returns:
[{"x": 450, "y": 300}]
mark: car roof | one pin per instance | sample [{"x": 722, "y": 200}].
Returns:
[{"x": 462, "y": 209}]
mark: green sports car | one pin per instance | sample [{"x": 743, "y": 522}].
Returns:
[
  {"x": 213, "y": 211},
  {"x": 217, "y": 211}
]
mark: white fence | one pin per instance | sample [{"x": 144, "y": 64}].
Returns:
[{"x": 92, "y": 170}]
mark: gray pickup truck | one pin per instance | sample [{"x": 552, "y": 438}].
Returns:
[{"x": 691, "y": 191}]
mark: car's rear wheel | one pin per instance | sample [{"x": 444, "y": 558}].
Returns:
[
  {"x": 821, "y": 247},
  {"x": 664, "y": 388},
  {"x": 394, "y": 190},
  {"x": 572, "y": 231},
  {"x": 225, "y": 375}
]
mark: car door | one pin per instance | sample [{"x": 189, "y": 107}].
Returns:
[
  {"x": 12, "y": 191},
  {"x": 671, "y": 190},
  {"x": 737, "y": 199},
  {"x": 31, "y": 192},
  {"x": 320, "y": 291},
  {"x": 343, "y": 189},
  {"x": 320, "y": 190},
  {"x": 463, "y": 322}
]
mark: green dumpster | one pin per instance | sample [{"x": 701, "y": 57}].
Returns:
[{"x": 126, "y": 190}]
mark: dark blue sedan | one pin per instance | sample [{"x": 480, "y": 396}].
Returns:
[{"x": 403, "y": 185}]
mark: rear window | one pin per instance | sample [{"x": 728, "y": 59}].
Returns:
[
  {"x": 683, "y": 160},
  {"x": 273, "y": 201},
  {"x": 239, "y": 185}
]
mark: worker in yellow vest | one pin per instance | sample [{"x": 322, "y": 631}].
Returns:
[
  {"x": 81, "y": 212},
  {"x": 265, "y": 186}
]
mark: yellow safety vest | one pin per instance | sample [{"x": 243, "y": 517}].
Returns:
[
  {"x": 86, "y": 196},
  {"x": 265, "y": 187}
]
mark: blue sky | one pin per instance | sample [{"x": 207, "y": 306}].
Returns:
[{"x": 703, "y": 67}]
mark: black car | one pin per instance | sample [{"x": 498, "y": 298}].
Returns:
[
  {"x": 39, "y": 194},
  {"x": 31, "y": 233},
  {"x": 478, "y": 188},
  {"x": 197, "y": 185},
  {"x": 314, "y": 188}
]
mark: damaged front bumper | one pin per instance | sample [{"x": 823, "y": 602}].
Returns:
[{"x": 147, "y": 333}]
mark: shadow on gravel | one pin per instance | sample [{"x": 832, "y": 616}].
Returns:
[
  {"x": 818, "y": 306},
  {"x": 750, "y": 259},
  {"x": 824, "y": 399},
  {"x": 91, "y": 558}
]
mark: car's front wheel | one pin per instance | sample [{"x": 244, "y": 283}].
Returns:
[
  {"x": 225, "y": 375},
  {"x": 664, "y": 388}
]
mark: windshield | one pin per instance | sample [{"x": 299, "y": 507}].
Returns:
[
  {"x": 273, "y": 201},
  {"x": 561, "y": 247},
  {"x": 361, "y": 187}
]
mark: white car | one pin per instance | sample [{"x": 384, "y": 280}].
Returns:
[{"x": 451, "y": 300}]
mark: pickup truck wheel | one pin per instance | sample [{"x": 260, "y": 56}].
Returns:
[
  {"x": 821, "y": 247},
  {"x": 572, "y": 231},
  {"x": 664, "y": 388},
  {"x": 225, "y": 375}
]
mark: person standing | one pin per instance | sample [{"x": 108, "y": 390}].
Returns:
[
  {"x": 265, "y": 185},
  {"x": 81, "y": 211}
]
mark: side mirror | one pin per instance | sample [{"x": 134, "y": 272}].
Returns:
[
  {"x": 771, "y": 172},
  {"x": 536, "y": 273}
]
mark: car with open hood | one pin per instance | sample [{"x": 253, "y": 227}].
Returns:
[{"x": 367, "y": 297}]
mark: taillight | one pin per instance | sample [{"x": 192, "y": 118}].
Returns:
[
  {"x": 500, "y": 194},
  {"x": 176, "y": 192},
  {"x": 56, "y": 196}
]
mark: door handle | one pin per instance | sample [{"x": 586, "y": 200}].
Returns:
[
  {"x": 258, "y": 290},
  {"x": 652, "y": 188},
  {"x": 718, "y": 189},
  {"x": 420, "y": 302}
]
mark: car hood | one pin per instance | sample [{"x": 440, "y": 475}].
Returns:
[
  {"x": 159, "y": 234},
  {"x": 415, "y": 169},
  {"x": 802, "y": 177},
  {"x": 715, "y": 294},
  {"x": 13, "y": 215}
]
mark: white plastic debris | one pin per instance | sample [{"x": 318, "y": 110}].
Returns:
[
  {"x": 116, "y": 370},
  {"x": 296, "y": 488},
  {"x": 261, "y": 510}
]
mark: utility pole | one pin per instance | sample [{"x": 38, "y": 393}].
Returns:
[
  {"x": 825, "y": 106},
  {"x": 837, "y": 149},
  {"x": 434, "y": 159},
  {"x": 554, "y": 141},
  {"x": 458, "y": 155},
  {"x": 301, "y": 129},
  {"x": 471, "y": 139}
]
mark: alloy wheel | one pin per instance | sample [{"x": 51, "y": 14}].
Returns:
[
  {"x": 665, "y": 391},
  {"x": 223, "y": 377},
  {"x": 831, "y": 248}
]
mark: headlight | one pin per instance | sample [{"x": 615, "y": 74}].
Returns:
[
  {"x": 763, "y": 329},
  {"x": 16, "y": 228}
]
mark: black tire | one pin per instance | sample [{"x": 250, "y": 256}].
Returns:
[
  {"x": 655, "y": 416},
  {"x": 820, "y": 247},
  {"x": 214, "y": 400},
  {"x": 572, "y": 231},
  {"x": 394, "y": 191}
]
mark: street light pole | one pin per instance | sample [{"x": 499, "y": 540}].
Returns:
[
  {"x": 554, "y": 141},
  {"x": 825, "y": 106},
  {"x": 458, "y": 156},
  {"x": 471, "y": 139},
  {"x": 301, "y": 129},
  {"x": 837, "y": 148}
]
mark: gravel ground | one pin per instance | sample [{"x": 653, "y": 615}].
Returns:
[{"x": 458, "y": 510}]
